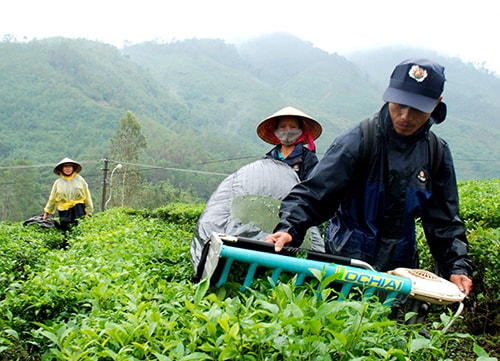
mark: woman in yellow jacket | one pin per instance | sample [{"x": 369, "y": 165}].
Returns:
[{"x": 70, "y": 195}]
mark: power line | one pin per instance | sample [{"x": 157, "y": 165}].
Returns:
[
  {"x": 8, "y": 167},
  {"x": 114, "y": 161},
  {"x": 171, "y": 168},
  {"x": 475, "y": 160},
  {"x": 50, "y": 165},
  {"x": 185, "y": 170},
  {"x": 229, "y": 159}
]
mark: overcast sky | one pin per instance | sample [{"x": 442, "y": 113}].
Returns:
[{"x": 466, "y": 30}]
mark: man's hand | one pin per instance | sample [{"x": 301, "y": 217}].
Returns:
[
  {"x": 280, "y": 239},
  {"x": 463, "y": 283}
]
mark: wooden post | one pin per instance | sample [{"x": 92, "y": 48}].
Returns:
[{"x": 104, "y": 183}]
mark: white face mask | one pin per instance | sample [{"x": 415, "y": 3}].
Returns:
[{"x": 288, "y": 136}]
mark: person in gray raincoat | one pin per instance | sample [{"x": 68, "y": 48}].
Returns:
[{"x": 372, "y": 206}]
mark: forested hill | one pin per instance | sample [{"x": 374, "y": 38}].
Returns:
[{"x": 199, "y": 101}]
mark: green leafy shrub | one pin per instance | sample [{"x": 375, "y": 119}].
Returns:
[
  {"x": 185, "y": 215},
  {"x": 22, "y": 249},
  {"x": 484, "y": 302},
  {"x": 480, "y": 203},
  {"x": 122, "y": 291},
  {"x": 480, "y": 210}
]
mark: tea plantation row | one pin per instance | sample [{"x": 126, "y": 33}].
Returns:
[{"x": 122, "y": 290}]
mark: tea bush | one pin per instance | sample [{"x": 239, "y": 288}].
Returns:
[
  {"x": 182, "y": 214},
  {"x": 480, "y": 210},
  {"x": 122, "y": 291},
  {"x": 480, "y": 203}
]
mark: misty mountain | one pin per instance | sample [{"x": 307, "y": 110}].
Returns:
[{"x": 200, "y": 100}]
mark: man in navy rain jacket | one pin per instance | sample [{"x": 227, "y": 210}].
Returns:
[{"x": 372, "y": 205}]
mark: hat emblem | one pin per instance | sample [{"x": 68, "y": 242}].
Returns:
[{"x": 417, "y": 73}]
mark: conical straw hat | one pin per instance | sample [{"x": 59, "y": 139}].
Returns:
[
  {"x": 57, "y": 168},
  {"x": 265, "y": 130}
]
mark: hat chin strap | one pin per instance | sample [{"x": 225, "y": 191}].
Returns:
[{"x": 306, "y": 137}]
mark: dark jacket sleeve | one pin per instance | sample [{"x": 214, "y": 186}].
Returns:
[
  {"x": 316, "y": 199},
  {"x": 310, "y": 161},
  {"x": 444, "y": 230}
]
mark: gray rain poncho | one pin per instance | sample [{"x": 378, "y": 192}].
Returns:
[{"x": 246, "y": 204}]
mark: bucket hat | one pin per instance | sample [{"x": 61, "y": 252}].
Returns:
[
  {"x": 265, "y": 130},
  {"x": 417, "y": 83},
  {"x": 57, "y": 168}
]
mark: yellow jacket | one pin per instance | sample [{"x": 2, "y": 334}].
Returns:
[{"x": 67, "y": 192}]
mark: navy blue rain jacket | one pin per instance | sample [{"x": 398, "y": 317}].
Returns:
[
  {"x": 302, "y": 160},
  {"x": 373, "y": 205}
]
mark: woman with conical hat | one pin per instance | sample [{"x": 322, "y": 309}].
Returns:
[
  {"x": 70, "y": 195},
  {"x": 293, "y": 133}
]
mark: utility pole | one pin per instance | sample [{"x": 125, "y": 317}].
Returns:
[{"x": 104, "y": 183}]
